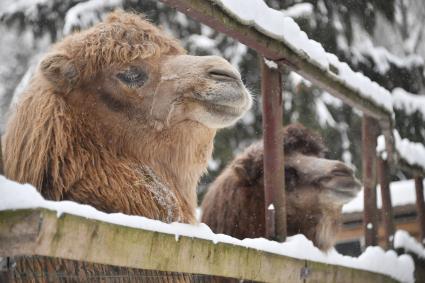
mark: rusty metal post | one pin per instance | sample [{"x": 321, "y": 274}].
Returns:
[
  {"x": 1, "y": 159},
  {"x": 420, "y": 206},
  {"x": 370, "y": 214},
  {"x": 387, "y": 209},
  {"x": 274, "y": 170}
]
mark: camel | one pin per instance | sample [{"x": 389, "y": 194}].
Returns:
[
  {"x": 119, "y": 117},
  {"x": 316, "y": 190}
]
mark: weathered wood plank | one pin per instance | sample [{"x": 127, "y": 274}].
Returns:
[
  {"x": 319, "y": 272},
  {"x": 41, "y": 232}
]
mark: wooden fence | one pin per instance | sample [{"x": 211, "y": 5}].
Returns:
[{"x": 40, "y": 232}]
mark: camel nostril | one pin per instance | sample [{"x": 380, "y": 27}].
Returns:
[{"x": 223, "y": 75}]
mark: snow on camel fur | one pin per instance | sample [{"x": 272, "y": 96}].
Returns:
[
  {"x": 316, "y": 189},
  {"x": 120, "y": 118}
]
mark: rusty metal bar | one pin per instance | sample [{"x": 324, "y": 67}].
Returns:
[
  {"x": 274, "y": 170},
  {"x": 370, "y": 214},
  {"x": 420, "y": 206},
  {"x": 387, "y": 209},
  {"x": 1, "y": 159}
]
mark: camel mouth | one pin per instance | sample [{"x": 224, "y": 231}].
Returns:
[
  {"x": 342, "y": 188},
  {"x": 347, "y": 190},
  {"x": 352, "y": 193},
  {"x": 224, "y": 108}
]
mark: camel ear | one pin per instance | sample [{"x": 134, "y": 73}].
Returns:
[
  {"x": 60, "y": 71},
  {"x": 249, "y": 169}
]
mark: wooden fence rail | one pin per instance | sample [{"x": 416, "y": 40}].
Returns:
[{"x": 41, "y": 232}]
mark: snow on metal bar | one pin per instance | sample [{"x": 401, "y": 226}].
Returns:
[
  {"x": 275, "y": 24},
  {"x": 202, "y": 251}
]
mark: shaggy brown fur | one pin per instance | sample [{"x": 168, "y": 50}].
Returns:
[
  {"x": 87, "y": 131},
  {"x": 62, "y": 151},
  {"x": 234, "y": 203}
]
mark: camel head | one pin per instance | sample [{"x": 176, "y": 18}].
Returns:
[
  {"x": 125, "y": 72},
  {"x": 316, "y": 189},
  {"x": 310, "y": 178},
  {"x": 135, "y": 93}
]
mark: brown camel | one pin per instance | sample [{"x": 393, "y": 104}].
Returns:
[
  {"x": 316, "y": 189},
  {"x": 120, "y": 118}
]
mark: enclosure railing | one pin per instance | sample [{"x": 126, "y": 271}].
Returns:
[
  {"x": 41, "y": 232},
  {"x": 54, "y": 236},
  {"x": 210, "y": 13}
]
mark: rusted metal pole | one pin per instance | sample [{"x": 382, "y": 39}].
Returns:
[
  {"x": 420, "y": 206},
  {"x": 387, "y": 209},
  {"x": 1, "y": 159},
  {"x": 274, "y": 170},
  {"x": 370, "y": 214}
]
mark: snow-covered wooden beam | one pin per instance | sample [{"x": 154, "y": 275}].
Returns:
[
  {"x": 308, "y": 58},
  {"x": 42, "y": 232}
]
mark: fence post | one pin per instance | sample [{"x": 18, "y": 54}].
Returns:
[
  {"x": 420, "y": 206},
  {"x": 1, "y": 159},
  {"x": 387, "y": 210},
  {"x": 274, "y": 170},
  {"x": 370, "y": 215}
]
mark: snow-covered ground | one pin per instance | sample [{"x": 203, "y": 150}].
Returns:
[
  {"x": 17, "y": 196},
  {"x": 402, "y": 193}
]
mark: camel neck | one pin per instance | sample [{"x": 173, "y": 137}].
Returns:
[{"x": 179, "y": 156}]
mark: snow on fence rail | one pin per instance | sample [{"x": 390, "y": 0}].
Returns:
[{"x": 30, "y": 225}]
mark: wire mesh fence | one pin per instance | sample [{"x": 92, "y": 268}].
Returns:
[{"x": 36, "y": 269}]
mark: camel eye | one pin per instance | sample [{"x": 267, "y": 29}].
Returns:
[
  {"x": 291, "y": 177},
  {"x": 133, "y": 77}
]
